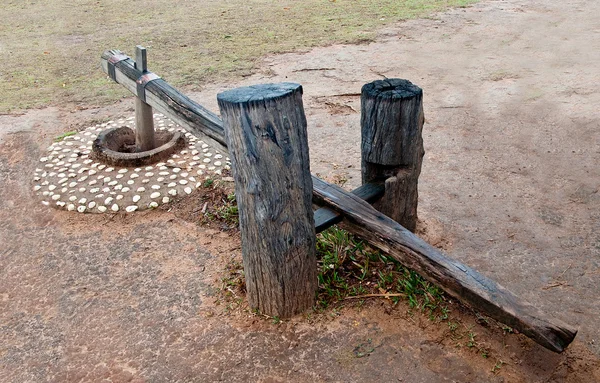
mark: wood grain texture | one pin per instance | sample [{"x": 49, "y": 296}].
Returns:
[
  {"x": 325, "y": 217},
  {"x": 392, "y": 145},
  {"x": 144, "y": 117},
  {"x": 169, "y": 101},
  {"x": 456, "y": 279},
  {"x": 266, "y": 134}
]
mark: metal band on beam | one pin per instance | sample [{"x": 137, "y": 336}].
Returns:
[
  {"x": 142, "y": 82},
  {"x": 112, "y": 61}
]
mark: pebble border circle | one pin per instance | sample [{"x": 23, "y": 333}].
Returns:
[{"x": 69, "y": 179}]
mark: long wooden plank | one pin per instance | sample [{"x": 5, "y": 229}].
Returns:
[
  {"x": 325, "y": 217},
  {"x": 169, "y": 101},
  {"x": 458, "y": 280}
]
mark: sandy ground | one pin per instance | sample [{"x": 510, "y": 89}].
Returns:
[{"x": 510, "y": 182}]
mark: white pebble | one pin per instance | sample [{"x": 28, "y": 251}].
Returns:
[
  {"x": 141, "y": 189},
  {"x": 183, "y": 182},
  {"x": 217, "y": 163},
  {"x": 56, "y": 197},
  {"x": 188, "y": 190},
  {"x": 131, "y": 182},
  {"x": 113, "y": 183},
  {"x": 131, "y": 208},
  {"x": 91, "y": 205},
  {"x": 134, "y": 175},
  {"x": 176, "y": 170},
  {"x": 51, "y": 187},
  {"x": 119, "y": 197},
  {"x": 70, "y": 207},
  {"x": 136, "y": 198},
  {"x": 155, "y": 195},
  {"x": 122, "y": 171},
  {"x": 81, "y": 190},
  {"x": 165, "y": 200},
  {"x": 81, "y": 209},
  {"x": 37, "y": 187},
  {"x": 114, "y": 207},
  {"x": 82, "y": 201},
  {"x": 149, "y": 174},
  {"x": 173, "y": 192},
  {"x": 172, "y": 184},
  {"x": 101, "y": 209},
  {"x": 153, "y": 204},
  {"x": 108, "y": 200},
  {"x": 125, "y": 189}
]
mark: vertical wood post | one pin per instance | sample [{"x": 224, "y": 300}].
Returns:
[
  {"x": 144, "y": 118},
  {"x": 265, "y": 129},
  {"x": 392, "y": 145}
]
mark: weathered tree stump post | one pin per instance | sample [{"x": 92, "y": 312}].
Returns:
[
  {"x": 392, "y": 145},
  {"x": 144, "y": 118},
  {"x": 265, "y": 129}
]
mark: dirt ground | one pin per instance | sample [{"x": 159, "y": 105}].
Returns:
[{"x": 510, "y": 186}]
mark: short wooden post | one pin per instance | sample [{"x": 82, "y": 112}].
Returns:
[
  {"x": 144, "y": 118},
  {"x": 265, "y": 129},
  {"x": 392, "y": 145}
]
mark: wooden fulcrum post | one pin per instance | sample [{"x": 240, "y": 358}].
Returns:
[
  {"x": 392, "y": 145},
  {"x": 144, "y": 119},
  {"x": 265, "y": 129}
]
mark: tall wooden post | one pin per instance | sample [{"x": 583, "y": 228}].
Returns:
[
  {"x": 144, "y": 118},
  {"x": 392, "y": 145},
  {"x": 265, "y": 129}
]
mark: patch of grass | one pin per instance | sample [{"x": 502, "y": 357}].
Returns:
[
  {"x": 52, "y": 48},
  {"x": 208, "y": 183},
  {"x": 349, "y": 269},
  {"x": 223, "y": 209},
  {"x": 64, "y": 135},
  {"x": 497, "y": 366}
]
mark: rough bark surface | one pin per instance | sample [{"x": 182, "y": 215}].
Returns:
[
  {"x": 392, "y": 145},
  {"x": 456, "y": 279},
  {"x": 265, "y": 128}
]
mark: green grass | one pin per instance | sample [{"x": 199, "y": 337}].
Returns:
[
  {"x": 51, "y": 49},
  {"x": 64, "y": 135},
  {"x": 351, "y": 270}
]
